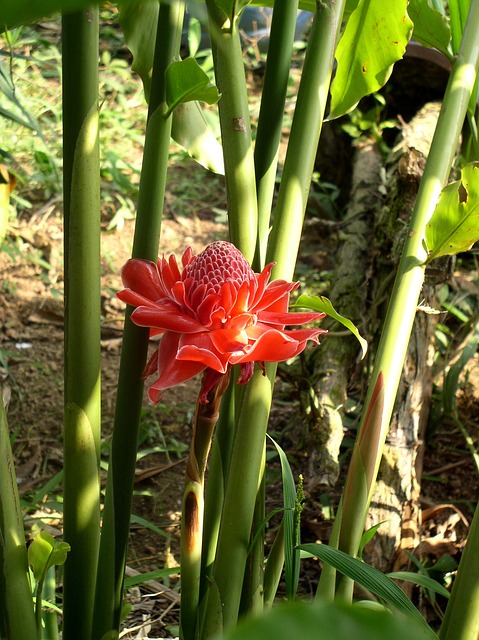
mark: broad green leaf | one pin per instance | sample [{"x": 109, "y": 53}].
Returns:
[
  {"x": 431, "y": 28},
  {"x": 365, "y": 575},
  {"x": 375, "y": 37},
  {"x": 45, "y": 552},
  {"x": 421, "y": 580},
  {"x": 139, "y": 20},
  {"x": 324, "y": 620},
  {"x": 186, "y": 81},
  {"x": 16, "y": 12},
  {"x": 323, "y": 305},
  {"x": 191, "y": 130},
  {"x": 454, "y": 225}
]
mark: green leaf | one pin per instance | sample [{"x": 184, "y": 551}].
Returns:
[
  {"x": 290, "y": 524},
  {"x": 186, "y": 81},
  {"x": 454, "y": 225},
  {"x": 142, "y": 578},
  {"x": 45, "y": 552},
  {"x": 16, "y": 12},
  {"x": 375, "y": 37},
  {"x": 365, "y": 575},
  {"x": 421, "y": 580},
  {"x": 431, "y": 28},
  {"x": 191, "y": 130},
  {"x": 323, "y": 305},
  {"x": 139, "y": 21},
  {"x": 368, "y": 536},
  {"x": 329, "y": 621}
]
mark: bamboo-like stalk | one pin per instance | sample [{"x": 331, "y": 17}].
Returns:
[
  {"x": 118, "y": 500},
  {"x": 206, "y": 417},
  {"x": 224, "y": 595},
  {"x": 81, "y": 169},
  {"x": 270, "y": 118},
  {"x": 17, "y": 617},
  {"x": 402, "y": 308},
  {"x": 304, "y": 137},
  {"x": 235, "y": 129}
]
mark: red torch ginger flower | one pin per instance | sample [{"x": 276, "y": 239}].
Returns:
[{"x": 213, "y": 314}]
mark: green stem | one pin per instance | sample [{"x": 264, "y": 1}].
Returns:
[
  {"x": 461, "y": 621},
  {"x": 50, "y": 618},
  {"x": 407, "y": 287},
  {"x": 118, "y": 500},
  {"x": 270, "y": 119},
  {"x": 274, "y": 568},
  {"x": 206, "y": 418},
  {"x": 81, "y": 511},
  {"x": 17, "y": 617},
  {"x": 305, "y": 131},
  {"x": 235, "y": 130},
  {"x": 240, "y": 496}
]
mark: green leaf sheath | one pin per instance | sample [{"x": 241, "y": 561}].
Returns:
[
  {"x": 235, "y": 130},
  {"x": 402, "y": 307},
  {"x": 116, "y": 519},
  {"x": 305, "y": 131},
  {"x": 17, "y": 618},
  {"x": 82, "y": 318},
  {"x": 270, "y": 119}
]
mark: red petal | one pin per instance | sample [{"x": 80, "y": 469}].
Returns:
[
  {"x": 262, "y": 281},
  {"x": 166, "y": 318},
  {"x": 228, "y": 340},
  {"x": 142, "y": 277},
  {"x": 199, "y": 348},
  {"x": 170, "y": 370},
  {"x": 135, "y": 299},
  {"x": 275, "y": 346},
  {"x": 276, "y": 296}
]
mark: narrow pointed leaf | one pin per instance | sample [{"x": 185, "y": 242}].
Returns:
[
  {"x": 323, "y": 305},
  {"x": 421, "y": 580},
  {"x": 186, "y": 81},
  {"x": 454, "y": 225},
  {"x": 375, "y": 38},
  {"x": 365, "y": 575},
  {"x": 431, "y": 28}
]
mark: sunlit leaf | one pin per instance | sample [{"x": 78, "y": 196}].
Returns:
[
  {"x": 423, "y": 581},
  {"x": 375, "y": 37},
  {"x": 323, "y": 305},
  {"x": 454, "y": 225},
  {"x": 365, "y": 575},
  {"x": 431, "y": 28},
  {"x": 45, "y": 552},
  {"x": 186, "y": 81},
  {"x": 191, "y": 130}
]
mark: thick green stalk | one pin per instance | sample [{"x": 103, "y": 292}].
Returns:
[
  {"x": 244, "y": 476},
  {"x": 235, "y": 130},
  {"x": 81, "y": 169},
  {"x": 407, "y": 287},
  {"x": 116, "y": 520},
  {"x": 305, "y": 131},
  {"x": 206, "y": 417},
  {"x": 270, "y": 119},
  {"x": 461, "y": 621},
  {"x": 17, "y": 618}
]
